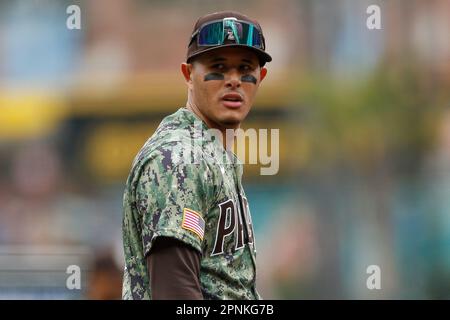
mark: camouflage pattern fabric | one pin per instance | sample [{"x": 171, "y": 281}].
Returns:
[{"x": 180, "y": 168}]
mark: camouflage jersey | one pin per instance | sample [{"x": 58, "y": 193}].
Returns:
[{"x": 179, "y": 187}]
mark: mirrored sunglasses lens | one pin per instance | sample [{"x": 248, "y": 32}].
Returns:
[
  {"x": 230, "y": 31},
  {"x": 211, "y": 34}
]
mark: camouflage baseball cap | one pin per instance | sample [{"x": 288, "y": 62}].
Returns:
[{"x": 227, "y": 29}]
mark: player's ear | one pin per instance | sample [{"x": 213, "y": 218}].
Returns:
[
  {"x": 186, "y": 70},
  {"x": 262, "y": 73}
]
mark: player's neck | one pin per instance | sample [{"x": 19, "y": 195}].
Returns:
[{"x": 227, "y": 145}]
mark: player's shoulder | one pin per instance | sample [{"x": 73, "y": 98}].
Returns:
[{"x": 177, "y": 144}]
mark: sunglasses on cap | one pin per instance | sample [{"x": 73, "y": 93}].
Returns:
[{"x": 229, "y": 31}]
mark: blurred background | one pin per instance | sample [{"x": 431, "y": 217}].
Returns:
[{"x": 364, "y": 120}]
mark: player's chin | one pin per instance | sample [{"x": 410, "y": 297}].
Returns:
[
  {"x": 232, "y": 118},
  {"x": 234, "y": 115}
]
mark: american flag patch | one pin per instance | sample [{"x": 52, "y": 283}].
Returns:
[{"x": 192, "y": 221}]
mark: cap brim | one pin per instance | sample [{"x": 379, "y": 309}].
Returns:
[{"x": 262, "y": 55}]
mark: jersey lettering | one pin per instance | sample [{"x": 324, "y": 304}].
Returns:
[
  {"x": 227, "y": 212},
  {"x": 236, "y": 219}
]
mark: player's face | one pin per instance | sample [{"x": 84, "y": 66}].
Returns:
[{"x": 223, "y": 84}]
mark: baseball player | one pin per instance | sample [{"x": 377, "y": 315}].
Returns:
[{"x": 187, "y": 229}]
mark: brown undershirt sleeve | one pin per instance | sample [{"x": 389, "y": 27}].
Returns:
[{"x": 174, "y": 269}]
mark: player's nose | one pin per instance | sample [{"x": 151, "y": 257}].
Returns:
[{"x": 233, "y": 79}]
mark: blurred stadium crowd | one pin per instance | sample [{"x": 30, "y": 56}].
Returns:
[{"x": 364, "y": 119}]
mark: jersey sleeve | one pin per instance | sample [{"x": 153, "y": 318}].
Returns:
[{"x": 173, "y": 200}]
